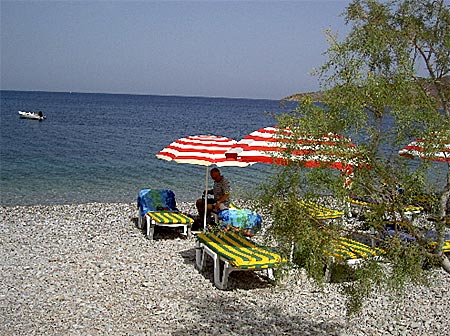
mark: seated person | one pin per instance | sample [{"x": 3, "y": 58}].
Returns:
[{"x": 221, "y": 191}]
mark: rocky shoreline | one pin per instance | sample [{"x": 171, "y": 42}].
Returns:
[{"x": 87, "y": 270}]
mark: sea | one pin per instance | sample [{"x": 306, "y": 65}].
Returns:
[{"x": 95, "y": 147}]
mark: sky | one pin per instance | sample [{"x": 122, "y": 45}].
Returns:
[{"x": 242, "y": 49}]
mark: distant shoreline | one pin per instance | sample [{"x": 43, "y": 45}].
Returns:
[
  {"x": 430, "y": 88},
  {"x": 316, "y": 95},
  {"x": 138, "y": 94}
]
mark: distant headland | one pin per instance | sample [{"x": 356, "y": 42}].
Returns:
[{"x": 317, "y": 95}]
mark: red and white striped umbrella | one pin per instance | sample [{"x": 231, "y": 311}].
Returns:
[
  {"x": 281, "y": 146},
  {"x": 203, "y": 150},
  {"x": 435, "y": 147}
]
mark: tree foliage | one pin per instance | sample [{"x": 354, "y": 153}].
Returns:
[{"x": 384, "y": 84}]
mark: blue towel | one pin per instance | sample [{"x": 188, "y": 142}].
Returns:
[
  {"x": 156, "y": 200},
  {"x": 240, "y": 218},
  {"x": 402, "y": 235},
  {"x": 429, "y": 235}
]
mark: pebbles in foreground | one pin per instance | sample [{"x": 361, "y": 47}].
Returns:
[{"x": 87, "y": 270}]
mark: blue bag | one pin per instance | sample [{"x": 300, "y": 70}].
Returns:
[{"x": 240, "y": 218}]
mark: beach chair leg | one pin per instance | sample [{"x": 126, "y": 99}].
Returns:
[
  {"x": 327, "y": 274},
  {"x": 270, "y": 274},
  {"x": 187, "y": 230},
  {"x": 227, "y": 269},
  {"x": 372, "y": 235},
  {"x": 150, "y": 228},
  {"x": 291, "y": 254},
  {"x": 221, "y": 282},
  {"x": 139, "y": 220},
  {"x": 199, "y": 256}
]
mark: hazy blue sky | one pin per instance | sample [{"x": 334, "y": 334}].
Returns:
[{"x": 258, "y": 49}]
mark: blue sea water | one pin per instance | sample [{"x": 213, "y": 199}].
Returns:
[{"x": 101, "y": 147}]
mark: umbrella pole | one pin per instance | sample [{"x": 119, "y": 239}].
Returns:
[{"x": 205, "y": 201}]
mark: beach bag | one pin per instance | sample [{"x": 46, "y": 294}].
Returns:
[{"x": 240, "y": 218}]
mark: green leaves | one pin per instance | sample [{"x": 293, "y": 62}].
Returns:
[{"x": 375, "y": 92}]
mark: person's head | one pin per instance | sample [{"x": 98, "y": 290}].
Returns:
[{"x": 215, "y": 174}]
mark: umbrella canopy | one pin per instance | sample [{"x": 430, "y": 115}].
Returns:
[
  {"x": 203, "y": 150},
  {"x": 281, "y": 146},
  {"x": 435, "y": 147}
]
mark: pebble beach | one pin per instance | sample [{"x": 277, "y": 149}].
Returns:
[{"x": 88, "y": 270}]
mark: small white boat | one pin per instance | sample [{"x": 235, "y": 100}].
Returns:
[{"x": 32, "y": 115}]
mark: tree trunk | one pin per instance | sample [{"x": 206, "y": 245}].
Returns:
[
  {"x": 445, "y": 263},
  {"x": 442, "y": 223}
]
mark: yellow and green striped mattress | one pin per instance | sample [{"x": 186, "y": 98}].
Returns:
[
  {"x": 239, "y": 251},
  {"x": 445, "y": 247},
  {"x": 346, "y": 248},
  {"x": 408, "y": 208},
  {"x": 169, "y": 217},
  {"x": 319, "y": 211},
  {"x": 413, "y": 208}
]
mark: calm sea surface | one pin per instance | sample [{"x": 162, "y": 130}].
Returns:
[{"x": 101, "y": 147}]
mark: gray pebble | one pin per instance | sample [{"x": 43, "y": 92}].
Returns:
[{"x": 87, "y": 270}]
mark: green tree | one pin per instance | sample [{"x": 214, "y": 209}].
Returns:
[{"x": 384, "y": 84}]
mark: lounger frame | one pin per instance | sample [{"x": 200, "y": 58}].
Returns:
[
  {"x": 221, "y": 274},
  {"x": 150, "y": 224}
]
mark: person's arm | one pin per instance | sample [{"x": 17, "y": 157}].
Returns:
[
  {"x": 220, "y": 200},
  {"x": 226, "y": 189},
  {"x": 223, "y": 198}
]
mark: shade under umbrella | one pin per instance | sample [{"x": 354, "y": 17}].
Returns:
[
  {"x": 434, "y": 147},
  {"x": 203, "y": 150}
]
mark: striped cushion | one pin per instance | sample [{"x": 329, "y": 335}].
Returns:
[
  {"x": 346, "y": 248},
  {"x": 239, "y": 251},
  {"x": 446, "y": 247},
  {"x": 363, "y": 201},
  {"x": 413, "y": 209},
  {"x": 320, "y": 212},
  {"x": 168, "y": 217},
  {"x": 367, "y": 202}
]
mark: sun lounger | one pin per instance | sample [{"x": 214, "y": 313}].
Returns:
[
  {"x": 429, "y": 235},
  {"x": 157, "y": 207},
  {"x": 362, "y": 203},
  {"x": 320, "y": 212},
  {"x": 351, "y": 251},
  {"x": 236, "y": 253},
  {"x": 446, "y": 247}
]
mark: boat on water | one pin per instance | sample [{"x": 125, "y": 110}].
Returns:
[{"x": 32, "y": 115}]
